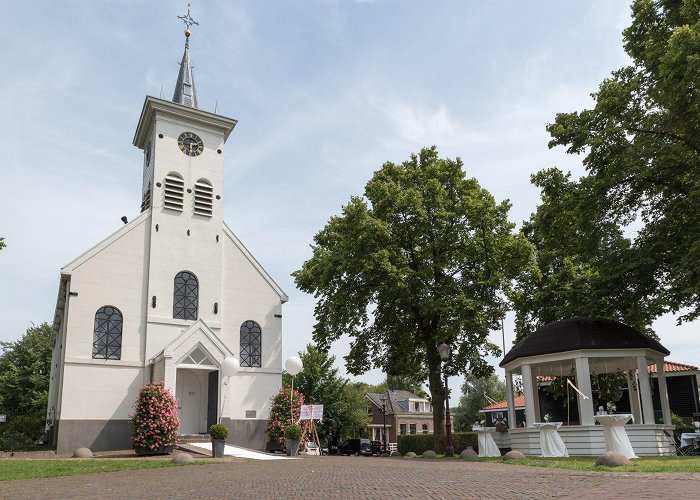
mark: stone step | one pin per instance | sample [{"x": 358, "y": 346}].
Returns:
[{"x": 194, "y": 438}]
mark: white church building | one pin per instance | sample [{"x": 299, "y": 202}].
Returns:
[{"x": 167, "y": 297}]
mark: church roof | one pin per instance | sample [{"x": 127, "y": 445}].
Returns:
[
  {"x": 581, "y": 333},
  {"x": 185, "y": 93}
]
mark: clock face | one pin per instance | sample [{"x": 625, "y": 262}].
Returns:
[{"x": 190, "y": 144}]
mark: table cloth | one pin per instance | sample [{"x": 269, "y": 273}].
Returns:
[
  {"x": 616, "y": 438},
  {"x": 550, "y": 441}
]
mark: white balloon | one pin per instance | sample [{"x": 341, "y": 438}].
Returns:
[
  {"x": 293, "y": 365},
  {"x": 229, "y": 366}
]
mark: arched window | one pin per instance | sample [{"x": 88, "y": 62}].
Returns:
[
  {"x": 174, "y": 192},
  {"x": 203, "y": 198},
  {"x": 186, "y": 296},
  {"x": 107, "y": 341},
  {"x": 251, "y": 344}
]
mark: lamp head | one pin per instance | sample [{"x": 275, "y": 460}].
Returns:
[
  {"x": 229, "y": 366},
  {"x": 444, "y": 351},
  {"x": 293, "y": 365}
]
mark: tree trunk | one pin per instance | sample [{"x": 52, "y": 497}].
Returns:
[{"x": 437, "y": 396}]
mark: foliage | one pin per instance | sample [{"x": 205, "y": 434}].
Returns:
[
  {"x": 680, "y": 424},
  {"x": 642, "y": 152},
  {"x": 155, "y": 422},
  {"x": 218, "y": 431},
  {"x": 606, "y": 387},
  {"x": 595, "y": 275},
  {"x": 280, "y": 413},
  {"x": 410, "y": 382},
  {"x": 293, "y": 432},
  {"x": 344, "y": 409},
  {"x": 418, "y": 443},
  {"x": 425, "y": 257},
  {"x": 2, "y": 243},
  {"x": 25, "y": 369},
  {"x": 473, "y": 399}
]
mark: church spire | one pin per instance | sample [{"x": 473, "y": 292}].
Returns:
[{"x": 184, "y": 88}]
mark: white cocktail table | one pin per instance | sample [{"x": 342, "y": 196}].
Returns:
[
  {"x": 487, "y": 446},
  {"x": 689, "y": 438},
  {"x": 550, "y": 441},
  {"x": 616, "y": 438}
]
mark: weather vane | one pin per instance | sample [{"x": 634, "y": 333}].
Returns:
[{"x": 187, "y": 19}]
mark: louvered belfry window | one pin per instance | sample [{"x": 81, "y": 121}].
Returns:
[
  {"x": 251, "y": 344},
  {"x": 107, "y": 339},
  {"x": 186, "y": 296},
  {"x": 174, "y": 192},
  {"x": 203, "y": 198}
]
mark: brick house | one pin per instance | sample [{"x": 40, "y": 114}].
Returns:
[{"x": 406, "y": 413}]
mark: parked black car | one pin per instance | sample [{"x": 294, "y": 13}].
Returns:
[
  {"x": 377, "y": 448},
  {"x": 355, "y": 447}
]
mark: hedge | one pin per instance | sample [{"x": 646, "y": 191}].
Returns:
[{"x": 418, "y": 443}]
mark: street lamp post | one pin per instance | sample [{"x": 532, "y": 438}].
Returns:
[
  {"x": 444, "y": 351},
  {"x": 383, "y": 400},
  {"x": 293, "y": 366}
]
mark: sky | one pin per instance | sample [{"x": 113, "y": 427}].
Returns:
[{"x": 324, "y": 91}]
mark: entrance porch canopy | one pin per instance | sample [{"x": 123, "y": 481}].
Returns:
[{"x": 587, "y": 346}]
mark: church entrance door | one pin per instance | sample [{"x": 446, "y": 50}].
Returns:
[{"x": 190, "y": 399}]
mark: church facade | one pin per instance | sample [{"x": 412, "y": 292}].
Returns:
[{"x": 167, "y": 297}]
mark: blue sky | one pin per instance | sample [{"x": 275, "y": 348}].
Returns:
[{"x": 325, "y": 92}]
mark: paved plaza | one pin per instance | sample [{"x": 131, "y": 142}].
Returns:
[{"x": 357, "y": 477}]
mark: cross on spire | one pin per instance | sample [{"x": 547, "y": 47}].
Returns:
[{"x": 187, "y": 19}]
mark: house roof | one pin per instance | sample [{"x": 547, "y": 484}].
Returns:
[
  {"x": 395, "y": 402},
  {"x": 503, "y": 405},
  {"x": 669, "y": 367},
  {"x": 581, "y": 333}
]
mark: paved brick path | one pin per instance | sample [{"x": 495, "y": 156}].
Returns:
[{"x": 358, "y": 477}]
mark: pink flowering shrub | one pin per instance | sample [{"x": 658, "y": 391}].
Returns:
[
  {"x": 155, "y": 421},
  {"x": 280, "y": 413}
]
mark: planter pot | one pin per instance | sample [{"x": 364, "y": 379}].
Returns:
[
  {"x": 165, "y": 450},
  {"x": 292, "y": 447},
  {"x": 218, "y": 447}
]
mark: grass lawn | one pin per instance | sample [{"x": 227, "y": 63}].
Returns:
[
  {"x": 35, "y": 468},
  {"x": 642, "y": 464}
]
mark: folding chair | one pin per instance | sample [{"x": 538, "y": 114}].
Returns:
[{"x": 676, "y": 440}]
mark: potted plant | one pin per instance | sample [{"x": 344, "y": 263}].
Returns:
[
  {"x": 292, "y": 434},
  {"x": 154, "y": 422},
  {"x": 218, "y": 433}
]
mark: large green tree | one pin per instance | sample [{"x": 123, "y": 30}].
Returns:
[
  {"x": 477, "y": 393},
  {"x": 425, "y": 257},
  {"x": 586, "y": 266},
  {"x": 25, "y": 368},
  {"x": 344, "y": 408},
  {"x": 641, "y": 143}
]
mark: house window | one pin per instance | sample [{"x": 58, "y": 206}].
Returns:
[
  {"x": 251, "y": 344},
  {"x": 416, "y": 406},
  {"x": 186, "y": 296},
  {"x": 402, "y": 429},
  {"x": 107, "y": 339},
  {"x": 174, "y": 192},
  {"x": 425, "y": 428},
  {"x": 203, "y": 198},
  {"x": 413, "y": 428}
]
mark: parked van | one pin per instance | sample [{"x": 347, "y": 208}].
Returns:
[{"x": 356, "y": 447}]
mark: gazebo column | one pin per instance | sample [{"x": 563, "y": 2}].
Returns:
[
  {"x": 583, "y": 382},
  {"x": 529, "y": 390},
  {"x": 663, "y": 392},
  {"x": 645, "y": 390},
  {"x": 633, "y": 392},
  {"x": 510, "y": 400}
]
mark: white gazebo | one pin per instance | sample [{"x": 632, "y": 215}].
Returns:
[{"x": 589, "y": 346}]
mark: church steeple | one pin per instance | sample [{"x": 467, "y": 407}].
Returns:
[{"x": 185, "y": 93}]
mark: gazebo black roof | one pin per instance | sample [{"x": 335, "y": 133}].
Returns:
[{"x": 581, "y": 333}]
